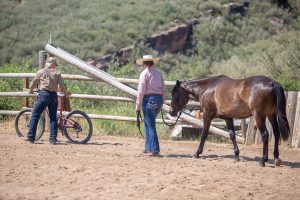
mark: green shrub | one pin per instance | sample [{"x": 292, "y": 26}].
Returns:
[
  {"x": 283, "y": 63},
  {"x": 13, "y": 84}
]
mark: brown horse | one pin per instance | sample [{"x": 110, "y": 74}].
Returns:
[{"x": 226, "y": 98}]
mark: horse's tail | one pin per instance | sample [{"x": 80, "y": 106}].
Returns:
[{"x": 281, "y": 111}]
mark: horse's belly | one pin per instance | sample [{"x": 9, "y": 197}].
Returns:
[{"x": 235, "y": 112}]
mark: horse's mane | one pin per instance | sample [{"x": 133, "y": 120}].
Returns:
[{"x": 205, "y": 78}]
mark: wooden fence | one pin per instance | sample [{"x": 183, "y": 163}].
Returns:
[
  {"x": 251, "y": 134},
  {"x": 25, "y": 95}
]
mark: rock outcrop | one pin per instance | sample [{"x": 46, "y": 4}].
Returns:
[
  {"x": 171, "y": 41},
  {"x": 102, "y": 62}
]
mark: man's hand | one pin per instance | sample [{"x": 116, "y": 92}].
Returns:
[{"x": 32, "y": 91}]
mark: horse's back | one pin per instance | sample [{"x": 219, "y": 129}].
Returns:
[
  {"x": 229, "y": 103},
  {"x": 240, "y": 98},
  {"x": 260, "y": 94}
]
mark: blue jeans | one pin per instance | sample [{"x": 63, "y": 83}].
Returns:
[
  {"x": 45, "y": 99},
  {"x": 151, "y": 108}
]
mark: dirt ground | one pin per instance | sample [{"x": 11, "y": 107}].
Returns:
[{"x": 112, "y": 168}]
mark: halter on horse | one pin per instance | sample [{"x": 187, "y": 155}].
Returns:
[{"x": 227, "y": 98}]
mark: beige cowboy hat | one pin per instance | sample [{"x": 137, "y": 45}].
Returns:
[
  {"x": 140, "y": 61},
  {"x": 48, "y": 65},
  {"x": 51, "y": 60}
]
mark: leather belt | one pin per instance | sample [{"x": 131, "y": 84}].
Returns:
[
  {"x": 48, "y": 91},
  {"x": 152, "y": 94}
]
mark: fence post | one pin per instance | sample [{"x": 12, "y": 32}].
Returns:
[
  {"x": 296, "y": 129},
  {"x": 25, "y": 86},
  {"x": 291, "y": 104},
  {"x": 42, "y": 59},
  {"x": 244, "y": 127},
  {"x": 251, "y": 132},
  {"x": 271, "y": 133}
]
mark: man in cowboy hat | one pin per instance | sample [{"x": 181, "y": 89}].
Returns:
[
  {"x": 47, "y": 81},
  {"x": 150, "y": 95}
]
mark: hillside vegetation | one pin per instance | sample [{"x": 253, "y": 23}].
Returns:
[
  {"x": 93, "y": 28},
  {"x": 86, "y": 28},
  {"x": 263, "y": 41}
]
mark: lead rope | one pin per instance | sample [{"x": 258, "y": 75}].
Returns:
[
  {"x": 162, "y": 116},
  {"x": 139, "y": 118},
  {"x": 138, "y": 124}
]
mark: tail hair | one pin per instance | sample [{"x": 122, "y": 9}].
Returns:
[{"x": 281, "y": 114}]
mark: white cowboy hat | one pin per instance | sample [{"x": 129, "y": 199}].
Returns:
[{"x": 140, "y": 61}]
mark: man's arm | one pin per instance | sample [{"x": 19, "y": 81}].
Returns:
[
  {"x": 140, "y": 92},
  {"x": 62, "y": 85},
  {"x": 35, "y": 82}
]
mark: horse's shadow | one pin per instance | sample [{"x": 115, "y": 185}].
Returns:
[
  {"x": 209, "y": 157},
  {"x": 215, "y": 157},
  {"x": 104, "y": 143},
  {"x": 89, "y": 143}
]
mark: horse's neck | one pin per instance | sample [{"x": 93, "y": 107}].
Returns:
[{"x": 196, "y": 87}]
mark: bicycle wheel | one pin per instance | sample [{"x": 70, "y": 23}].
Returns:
[
  {"x": 22, "y": 123},
  {"x": 78, "y": 127}
]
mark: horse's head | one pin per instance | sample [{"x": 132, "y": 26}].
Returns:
[{"x": 180, "y": 97}]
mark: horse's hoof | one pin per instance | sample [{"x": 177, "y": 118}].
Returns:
[
  {"x": 195, "y": 156},
  {"x": 262, "y": 164},
  {"x": 277, "y": 162}
]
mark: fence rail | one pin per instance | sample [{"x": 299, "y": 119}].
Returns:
[
  {"x": 105, "y": 117},
  {"x": 76, "y": 77},
  {"x": 105, "y": 98},
  {"x": 87, "y": 96}
]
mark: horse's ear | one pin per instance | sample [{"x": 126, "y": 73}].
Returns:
[{"x": 178, "y": 83}]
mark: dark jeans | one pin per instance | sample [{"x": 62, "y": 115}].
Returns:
[
  {"x": 151, "y": 108},
  {"x": 45, "y": 99}
]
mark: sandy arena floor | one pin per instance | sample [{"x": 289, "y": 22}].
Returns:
[{"x": 112, "y": 168}]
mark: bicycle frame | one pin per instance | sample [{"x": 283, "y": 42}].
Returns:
[{"x": 62, "y": 122}]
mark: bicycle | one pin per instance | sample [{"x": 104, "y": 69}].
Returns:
[{"x": 76, "y": 126}]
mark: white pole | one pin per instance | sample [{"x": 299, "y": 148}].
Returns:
[{"x": 89, "y": 69}]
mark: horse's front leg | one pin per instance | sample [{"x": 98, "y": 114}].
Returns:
[
  {"x": 230, "y": 126},
  {"x": 206, "y": 125}
]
